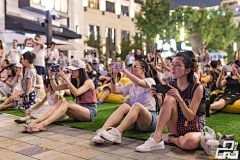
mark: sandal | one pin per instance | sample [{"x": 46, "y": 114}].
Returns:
[
  {"x": 38, "y": 130},
  {"x": 26, "y": 129},
  {"x": 20, "y": 120}
]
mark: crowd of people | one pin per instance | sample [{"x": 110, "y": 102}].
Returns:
[{"x": 30, "y": 79}]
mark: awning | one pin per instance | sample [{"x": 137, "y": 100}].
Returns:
[
  {"x": 7, "y": 37},
  {"x": 21, "y": 24}
]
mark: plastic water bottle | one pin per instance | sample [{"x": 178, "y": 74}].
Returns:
[{"x": 16, "y": 104}]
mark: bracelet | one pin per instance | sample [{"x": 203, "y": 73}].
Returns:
[{"x": 51, "y": 78}]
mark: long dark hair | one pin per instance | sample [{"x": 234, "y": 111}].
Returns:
[
  {"x": 7, "y": 61},
  {"x": 12, "y": 68},
  {"x": 1, "y": 45},
  {"x": 190, "y": 61},
  {"x": 150, "y": 71},
  {"x": 82, "y": 77}
]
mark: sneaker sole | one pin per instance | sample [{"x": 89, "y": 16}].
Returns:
[
  {"x": 98, "y": 141},
  {"x": 152, "y": 149},
  {"x": 19, "y": 121},
  {"x": 110, "y": 139}
]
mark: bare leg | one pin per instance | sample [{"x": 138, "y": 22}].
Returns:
[
  {"x": 47, "y": 114},
  {"x": 217, "y": 105},
  {"x": 189, "y": 141},
  {"x": 117, "y": 116},
  {"x": 5, "y": 104},
  {"x": 168, "y": 116},
  {"x": 137, "y": 113},
  {"x": 105, "y": 95},
  {"x": 98, "y": 90},
  {"x": 81, "y": 113}
]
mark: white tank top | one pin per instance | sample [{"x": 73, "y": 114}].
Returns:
[{"x": 40, "y": 53}]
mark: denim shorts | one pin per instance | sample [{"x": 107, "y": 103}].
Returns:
[
  {"x": 152, "y": 126},
  {"x": 92, "y": 108}
]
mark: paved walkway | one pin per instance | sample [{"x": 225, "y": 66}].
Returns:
[{"x": 60, "y": 143}]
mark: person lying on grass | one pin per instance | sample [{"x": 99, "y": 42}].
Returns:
[
  {"x": 42, "y": 107},
  {"x": 107, "y": 89},
  {"x": 232, "y": 91},
  {"x": 81, "y": 87},
  {"x": 141, "y": 114},
  {"x": 181, "y": 108}
]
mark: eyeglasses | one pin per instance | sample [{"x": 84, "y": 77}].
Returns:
[
  {"x": 133, "y": 67},
  {"x": 176, "y": 65}
]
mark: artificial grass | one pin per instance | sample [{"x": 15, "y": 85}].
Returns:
[{"x": 224, "y": 123}]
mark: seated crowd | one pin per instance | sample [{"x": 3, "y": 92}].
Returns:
[{"x": 181, "y": 108}]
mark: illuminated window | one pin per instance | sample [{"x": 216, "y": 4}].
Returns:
[
  {"x": 93, "y": 31},
  {"x": 110, "y": 36},
  {"x": 93, "y": 4},
  {"x": 58, "y": 5},
  {"x": 124, "y": 10}
]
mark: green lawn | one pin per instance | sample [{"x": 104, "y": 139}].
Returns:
[{"x": 221, "y": 122}]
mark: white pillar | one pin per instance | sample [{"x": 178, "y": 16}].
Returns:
[
  {"x": 118, "y": 7},
  {"x": 103, "y": 5},
  {"x": 131, "y": 9},
  {"x": 2, "y": 18}
]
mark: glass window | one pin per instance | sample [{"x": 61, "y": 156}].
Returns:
[
  {"x": 110, "y": 7},
  {"x": 93, "y": 4},
  {"x": 110, "y": 36},
  {"x": 125, "y": 35},
  {"x": 93, "y": 31},
  {"x": 124, "y": 10},
  {"x": 138, "y": 38}
]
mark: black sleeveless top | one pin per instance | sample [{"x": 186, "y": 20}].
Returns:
[
  {"x": 187, "y": 96},
  {"x": 232, "y": 84}
]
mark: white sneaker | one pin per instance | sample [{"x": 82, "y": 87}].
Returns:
[
  {"x": 112, "y": 135},
  {"x": 97, "y": 138},
  {"x": 150, "y": 145}
]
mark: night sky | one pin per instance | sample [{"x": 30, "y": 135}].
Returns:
[{"x": 207, "y": 3}]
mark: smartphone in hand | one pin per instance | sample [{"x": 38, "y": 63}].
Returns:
[
  {"x": 117, "y": 65},
  {"x": 55, "y": 68},
  {"x": 161, "y": 88}
]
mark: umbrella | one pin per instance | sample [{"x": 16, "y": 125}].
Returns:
[{"x": 218, "y": 52}]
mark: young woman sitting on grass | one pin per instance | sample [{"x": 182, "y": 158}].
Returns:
[
  {"x": 81, "y": 87},
  {"x": 141, "y": 114},
  {"x": 6, "y": 84},
  {"x": 180, "y": 109},
  {"x": 232, "y": 91},
  {"x": 42, "y": 107}
]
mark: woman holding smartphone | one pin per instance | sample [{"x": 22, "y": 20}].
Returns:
[
  {"x": 232, "y": 92},
  {"x": 81, "y": 87},
  {"x": 180, "y": 109},
  {"x": 140, "y": 114}
]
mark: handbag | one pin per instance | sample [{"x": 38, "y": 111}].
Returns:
[{"x": 184, "y": 126}]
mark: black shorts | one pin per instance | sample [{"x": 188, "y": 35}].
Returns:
[{"x": 40, "y": 70}]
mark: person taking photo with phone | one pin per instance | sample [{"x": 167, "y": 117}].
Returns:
[
  {"x": 232, "y": 91},
  {"x": 81, "y": 87},
  {"x": 180, "y": 109},
  {"x": 140, "y": 114}
]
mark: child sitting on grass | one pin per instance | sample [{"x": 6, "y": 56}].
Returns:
[
  {"x": 107, "y": 89},
  {"x": 39, "y": 109}
]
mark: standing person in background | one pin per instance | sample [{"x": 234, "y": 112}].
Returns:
[
  {"x": 95, "y": 61},
  {"x": 138, "y": 56},
  {"x": 205, "y": 57},
  {"x": 88, "y": 57},
  {"x": 38, "y": 50},
  {"x": 219, "y": 65},
  {"x": 166, "y": 73},
  {"x": 62, "y": 60},
  {"x": 51, "y": 57},
  {"x": 14, "y": 54},
  {"x": 2, "y": 52},
  {"x": 128, "y": 58},
  {"x": 102, "y": 59}
]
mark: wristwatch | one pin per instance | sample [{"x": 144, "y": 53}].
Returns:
[{"x": 26, "y": 95}]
